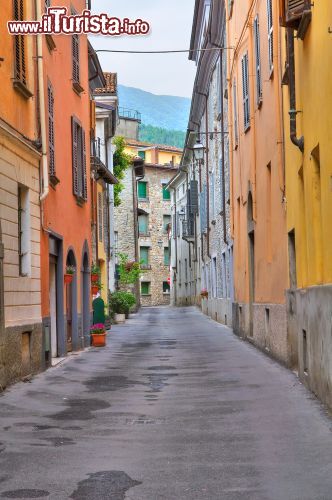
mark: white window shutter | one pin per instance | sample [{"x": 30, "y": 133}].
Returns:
[{"x": 259, "y": 90}]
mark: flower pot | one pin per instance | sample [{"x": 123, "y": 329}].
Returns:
[
  {"x": 119, "y": 318},
  {"x": 94, "y": 278},
  {"x": 98, "y": 339},
  {"x": 94, "y": 289},
  {"x": 68, "y": 278}
]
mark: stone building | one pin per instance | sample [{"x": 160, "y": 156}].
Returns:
[
  {"x": 142, "y": 218},
  {"x": 202, "y": 247}
]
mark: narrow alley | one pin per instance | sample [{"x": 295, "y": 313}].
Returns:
[{"x": 175, "y": 407}]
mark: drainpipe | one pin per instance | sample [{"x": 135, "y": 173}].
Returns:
[
  {"x": 41, "y": 96},
  {"x": 223, "y": 145},
  {"x": 299, "y": 142},
  {"x": 207, "y": 178}
]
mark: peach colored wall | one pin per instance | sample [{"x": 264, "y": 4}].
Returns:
[
  {"x": 15, "y": 109},
  {"x": 259, "y": 146},
  {"x": 61, "y": 213}
]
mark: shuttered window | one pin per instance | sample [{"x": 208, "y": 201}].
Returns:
[
  {"x": 76, "y": 58},
  {"x": 19, "y": 41},
  {"x": 203, "y": 209},
  {"x": 212, "y": 195},
  {"x": 166, "y": 256},
  {"x": 166, "y": 193},
  {"x": 142, "y": 190},
  {"x": 50, "y": 100},
  {"x": 166, "y": 288},
  {"x": 166, "y": 222},
  {"x": 143, "y": 224},
  {"x": 236, "y": 131},
  {"x": 270, "y": 32},
  {"x": 80, "y": 185},
  {"x": 144, "y": 256},
  {"x": 259, "y": 90},
  {"x": 145, "y": 288},
  {"x": 105, "y": 223},
  {"x": 245, "y": 91},
  {"x": 100, "y": 217}
]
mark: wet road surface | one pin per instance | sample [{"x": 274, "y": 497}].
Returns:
[{"x": 176, "y": 407}]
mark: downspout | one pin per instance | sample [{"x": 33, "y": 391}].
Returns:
[
  {"x": 299, "y": 142},
  {"x": 207, "y": 180},
  {"x": 223, "y": 146},
  {"x": 41, "y": 96}
]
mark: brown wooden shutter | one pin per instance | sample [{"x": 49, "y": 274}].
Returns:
[
  {"x": 75, "y": 131},
  {"x": 76, "y": 58},
  {"x": 19, "y": 41},
  {"x": 51, "y": 146},
  {"x": 84, "y": 170}
]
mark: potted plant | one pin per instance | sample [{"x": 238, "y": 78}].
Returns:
[
  {"x": 69, "y": 274},
  {"x": 95, "y": 287},
  {"x": 120, "y": 303},
  {"x": 98, "y": 335},
  {"x": 95, "y": 273},
  {"x": 204, "y": 294}
]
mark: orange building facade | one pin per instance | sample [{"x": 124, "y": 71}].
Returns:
[
  {"x": 65, "y": 206},
  {"x": 257, "y": 178}
]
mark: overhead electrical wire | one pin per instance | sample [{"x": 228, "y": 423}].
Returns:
[{"x": 162, "y": 51}]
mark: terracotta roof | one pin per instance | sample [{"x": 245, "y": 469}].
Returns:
[
  {"x": 164, "y": 147},
  {"x": 111, "y": 84}
]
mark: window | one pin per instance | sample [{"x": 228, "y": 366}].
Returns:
[
  {"x": 50, "y": 98},
  {"x": 141, "y": 154},
  {"x": 166, "y": 288},
  {"x": 245, "y": 90},
  {"x": 230, "y": 7},
  {"x": 259, "y": 90},
  {"x": 143, "y": 222},
  {"x": 145, "y": 288},
  {"x": 236, "y": 132},
  {"x": 166, "y": 256},
  {"x": 144, "y": 256},
  {"x": 100, "y": 217},
  {"x": 166, "y": 193},
  {"x": 212, "y": 197},
  {"x": 80, "y": 186},
  {"x": 106, "y": 223},
  {"x": 166, "y": 222},
  {"x": 76, "y": 63},
  {"x": 20, "y": 70},
  {"x": 142, "y": 190},
  {"x": 270, "y": 33},
  {"x": 24, "y": 230}
]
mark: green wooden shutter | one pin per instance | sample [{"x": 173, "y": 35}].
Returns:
[
  {"x": 145, "y": 288},
  {"x": 143, "y": 224},
  {"x": 166, "y": 256},
  {"x": 144, "y": 255},
  {"x": 142, "y": 190},
  {"x": 166, "y": 193}
]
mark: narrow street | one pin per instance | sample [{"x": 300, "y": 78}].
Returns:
[{"x": 175, "y": 407}]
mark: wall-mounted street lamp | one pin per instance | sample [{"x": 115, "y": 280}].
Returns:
[{"x": 199, "y": 150}]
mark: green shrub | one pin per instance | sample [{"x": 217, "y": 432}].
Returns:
[{"x": 121, "y": 302}]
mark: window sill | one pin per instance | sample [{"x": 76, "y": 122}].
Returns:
[
  {"x": 78, "y": 89},
  {"x": 146, "y": 267},
  {"x": 145, "y": 294},
  {"x": 22, "y": 89},
  {"x": 144, "y": 235},
  {"x": 54, "y": 181},
  {"x": 50, "y": 42},
  {"x": 80, "y": 201},
  {"x": 143, "y": 199}
]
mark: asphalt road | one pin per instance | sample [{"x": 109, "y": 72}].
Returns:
[{"x": 176, "y": 408}]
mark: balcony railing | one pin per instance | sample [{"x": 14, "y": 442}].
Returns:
[
  {"x": 95, "y": 148},
  {"x": 188, "y": 229},
  {"x": 130, "y": 113}
]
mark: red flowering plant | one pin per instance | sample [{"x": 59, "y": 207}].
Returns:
[
  {"x": 204, "y": 293},
  {"x": 97, "y": 329}
]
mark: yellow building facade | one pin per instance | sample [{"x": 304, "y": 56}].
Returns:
[{"x": 307, "y": 105}]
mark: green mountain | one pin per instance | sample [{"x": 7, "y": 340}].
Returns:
[
  {"x": 158, "y": 135},
  {"x": 162, "y": 111}
]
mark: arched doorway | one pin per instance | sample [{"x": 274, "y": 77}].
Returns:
[
  {"x": 251, "y": 262},
  {"x": 71, "y": 306},
  {"x": 85, "y": 286}
]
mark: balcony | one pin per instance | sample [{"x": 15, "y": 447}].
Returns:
[
  {"x": 188, "y": 229},
  {"x": 296, "y": 14},
  {"x": 97, "y": 166},
  {"x": 130, "y": 114}
]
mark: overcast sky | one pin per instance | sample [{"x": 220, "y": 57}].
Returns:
[{"x": 170, "y": 22}]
